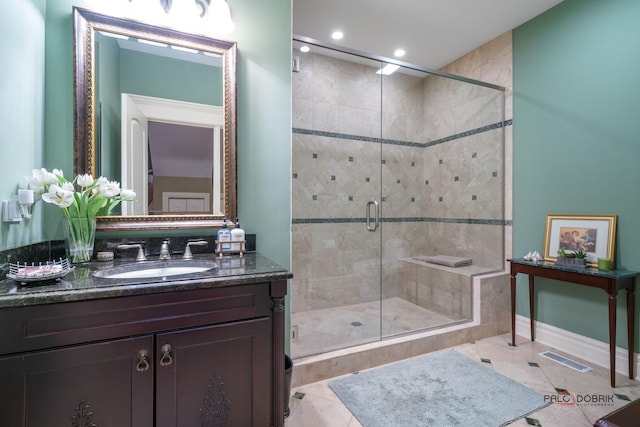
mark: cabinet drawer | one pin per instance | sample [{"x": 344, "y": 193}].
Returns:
[{"x": 52, "y": 325}]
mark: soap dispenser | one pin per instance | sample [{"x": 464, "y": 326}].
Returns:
[
  {"x": 224, "y": 235},
  {"x": 237, "y": 235}
]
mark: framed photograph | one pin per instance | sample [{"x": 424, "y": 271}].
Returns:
[{"x": 593, "y": 234}]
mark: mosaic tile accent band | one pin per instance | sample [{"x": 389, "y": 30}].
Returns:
[
  {"x": 399, "y": 142},
  {"x": 411, "y": 219},
  {"x": 391, "y": 216}
]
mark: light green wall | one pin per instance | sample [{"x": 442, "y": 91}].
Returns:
[
  {"x": 576, "y": 144},
  {"x": 108, "y": 124},
  {"x": 264, "y": 123},
  {"x": 194, "y": 82},
  {"x": 21, "y": 109}
]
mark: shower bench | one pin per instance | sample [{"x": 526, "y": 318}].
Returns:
[
  {"x": 443, "y": 289},
  {"x": 467, "y": 270}
]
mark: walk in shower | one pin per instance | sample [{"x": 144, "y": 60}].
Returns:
[{"x": 389, "y": 167}]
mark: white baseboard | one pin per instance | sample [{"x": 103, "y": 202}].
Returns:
[{"x": 585, "y": 348}]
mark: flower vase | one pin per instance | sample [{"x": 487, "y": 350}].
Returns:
[{"x": 80, "y": 235}]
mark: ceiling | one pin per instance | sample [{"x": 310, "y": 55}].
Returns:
[{"x": 432, "y": 32}]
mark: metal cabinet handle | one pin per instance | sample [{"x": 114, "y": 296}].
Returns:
[
  {"x": 376, "y": 221},
  {"x": 143, "y": 361},
  {"x": 166, "y": 359}
]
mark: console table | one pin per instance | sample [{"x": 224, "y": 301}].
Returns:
[{"x": 609, "y": 281}]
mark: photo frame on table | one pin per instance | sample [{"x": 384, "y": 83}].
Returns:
[{"x": 593, "y": 234}]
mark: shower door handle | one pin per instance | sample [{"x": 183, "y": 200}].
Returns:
[{"x": 376, "y": 220}]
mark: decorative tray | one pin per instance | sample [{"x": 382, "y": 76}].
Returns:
[{"x": 39, "y": 273}]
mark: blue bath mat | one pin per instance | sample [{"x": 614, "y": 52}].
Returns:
[{"x": 441, "y": 389}]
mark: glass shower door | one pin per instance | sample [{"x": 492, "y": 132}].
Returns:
[
  {"x": 389, "y": 169},
  {"x": 442, "y": 143},
  {"x": 335, "y": 293}
]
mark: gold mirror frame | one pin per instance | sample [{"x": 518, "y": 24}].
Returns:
[{"x": 86, "y": 24}]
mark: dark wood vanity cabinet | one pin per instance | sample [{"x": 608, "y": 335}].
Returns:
[
  {"x": 214, "y": 376},
  {"x": 94, "y": 384},
  {"x": 206, "y": 357}
]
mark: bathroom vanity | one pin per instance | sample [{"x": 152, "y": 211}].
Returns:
[{"x": 203, "y": 349}]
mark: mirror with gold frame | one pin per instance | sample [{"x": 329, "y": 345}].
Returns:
[{"x": 112, "y": 142}]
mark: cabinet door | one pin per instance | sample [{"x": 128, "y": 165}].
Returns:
[
  {"x": 102, "y": 384},
  {"x": 214, "y": 376}
]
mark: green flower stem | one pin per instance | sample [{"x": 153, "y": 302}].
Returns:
[{"x": 81, "y": 237}]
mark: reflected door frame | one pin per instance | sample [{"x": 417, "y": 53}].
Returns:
[{"x": 167, "y": 111}]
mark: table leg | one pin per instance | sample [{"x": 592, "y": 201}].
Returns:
[
  {"x": 531, "y": 316},
  {"x": 513, "y": 309},
  {"x": 631, "y": 299},
  {"x": 612, "y": 339}
]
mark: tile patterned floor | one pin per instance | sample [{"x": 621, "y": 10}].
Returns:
[{"x": 315, "y": 405}]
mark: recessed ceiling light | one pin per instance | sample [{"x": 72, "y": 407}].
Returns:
[
  {"x": 337, "y": 35},
  {"x": 399, "y": 53},
  {"x": 304, "y": 49},
  {"x": 388, "y": 69}
]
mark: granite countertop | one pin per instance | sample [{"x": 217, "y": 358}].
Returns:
[
  {"x": 612, "y": 274},
  {"x": 81, "y": 284}
]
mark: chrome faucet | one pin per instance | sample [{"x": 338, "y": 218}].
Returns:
[
  {"x": 187, "y": 251},
  {"x": 165, "y": 254},
  {"x": 141, "y": 256}
]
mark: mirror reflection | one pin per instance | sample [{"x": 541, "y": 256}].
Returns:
[{"x": 155, "y": 109}]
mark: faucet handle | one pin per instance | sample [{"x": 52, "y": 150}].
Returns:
[
  {"x": 141, "y": 256},
  {"x": 187, "y": 251}
]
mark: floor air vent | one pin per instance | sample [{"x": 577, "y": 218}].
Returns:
[{"x": 564, "y": 361}]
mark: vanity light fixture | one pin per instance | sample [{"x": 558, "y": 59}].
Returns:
[
  {"x": 181, "y": 13},
  {"x": 213, "y": 16},
  {"x": 220, "y": 17},
  {"x": 197, "y": 16}
]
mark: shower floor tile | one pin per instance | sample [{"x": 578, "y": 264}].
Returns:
[{"x": 327, "y": 329}]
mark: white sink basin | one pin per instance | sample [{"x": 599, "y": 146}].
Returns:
[
  {"x": 155, "y": 269},
  {"x": 156, "y": 272}
]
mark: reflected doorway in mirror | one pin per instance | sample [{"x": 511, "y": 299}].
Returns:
[{"x": 139, "y": 113}]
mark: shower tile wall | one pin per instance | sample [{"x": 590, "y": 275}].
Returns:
[{"x": 433, "y": 170}]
